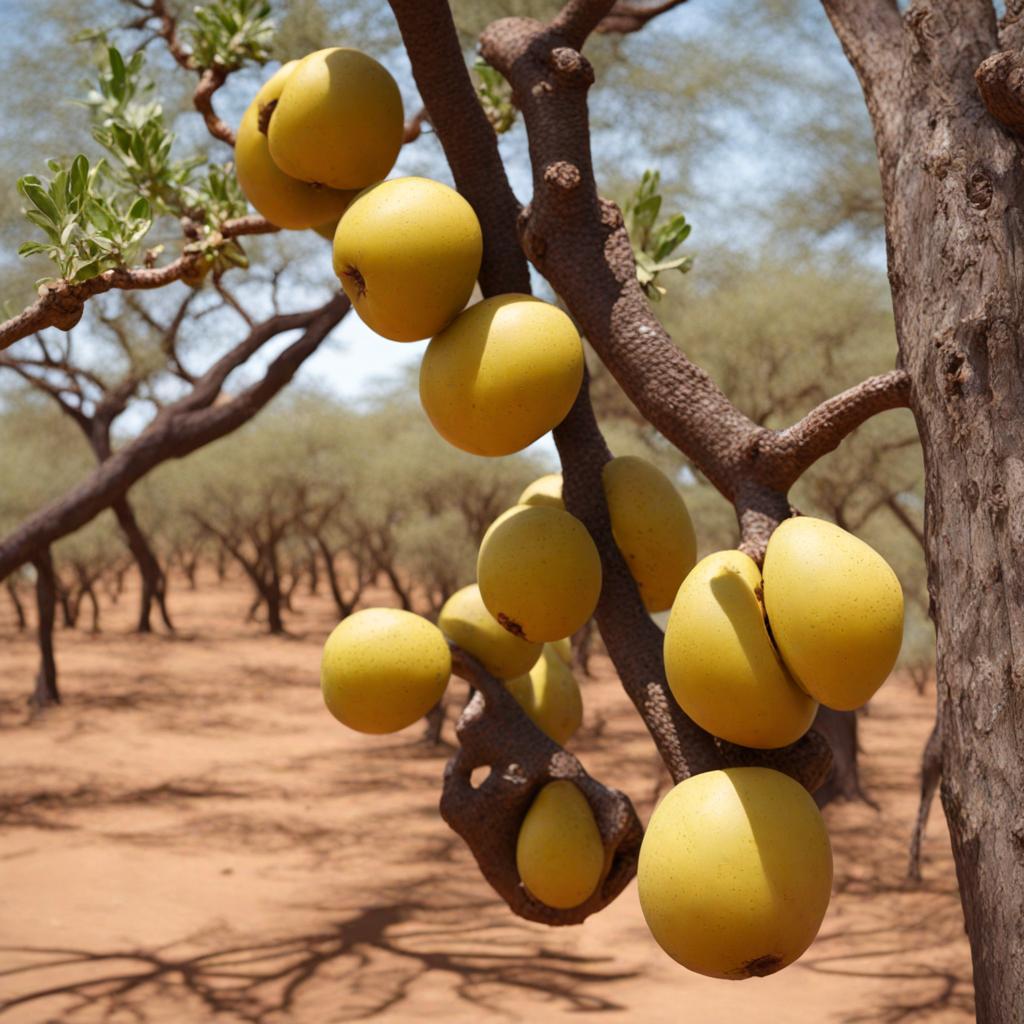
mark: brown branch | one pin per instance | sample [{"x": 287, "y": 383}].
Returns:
[
  {"x": 578, "y": 18},
  {"x": 469, "y": 142},
  {"x": 177, "y": 429},
  {"x": 1000, "y": 81},
  {"x": 792, "y": 451},
  {"x": 624, "y": 17},
  {"x": 60, "y": 303},
  {"x": 414, "y": 126},
  {"x": 494, "y": 731},
  {"x": 209, "y": 82},
  {"x": 901, "y": 514}
]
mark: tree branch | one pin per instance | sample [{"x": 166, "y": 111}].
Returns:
[
  {"x": 789, "y": 453},
  {"x": 625, "y": 17},
  {"x": 578, "y": 18},
  {"x": 60, "y": 303},
  {"x": 177, "y": 429},
  {"x": 495, "y": 731},
  {"x": 1000, "y": 81}
]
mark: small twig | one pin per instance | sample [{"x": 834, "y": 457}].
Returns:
[
  {"x": 931, "y": 773},
  {"x": 414, "y": 126},
  {"x": 62, "y": 302},
  {"x": 624, "y": 18}
]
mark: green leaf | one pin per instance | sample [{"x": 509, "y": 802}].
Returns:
[
  {"x": 32, "y": 248},
  {"x": 79, "y": 177},
  {"x": 35, "y": 194},
  {"x": 117, "y": 71}
]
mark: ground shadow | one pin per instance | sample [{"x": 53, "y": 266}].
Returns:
[{"x": 370, "y": 960}]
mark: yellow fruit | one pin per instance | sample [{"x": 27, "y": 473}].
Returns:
[
  {"x": 735, "y": 872},
  {"x": 835, "y": 608},
  {"x": 465, "y": 621},
  {"x": 563, "y": 648},
  {"x": 383, "y": 669},
  {"x": 651, "y": 527},
  {"x": 720, "y": 662},
  {"x": 559, "y": 854},
  {"x": 283, "y": 200},
  {"x": 503, "y": 374},
  {"x": 407, "y": 253},
  {"x": 550, "y": 695},
  {"x": 338, "y": 121},
  {"x": 327, "y": 230},
  {"x": 547, "y": 490},
  {"x": 539, "y": 572}
]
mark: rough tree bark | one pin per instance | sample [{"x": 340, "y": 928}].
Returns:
[{"x": 954, "y": 195}]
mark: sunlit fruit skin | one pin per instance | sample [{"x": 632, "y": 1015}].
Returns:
[
  {"x": 283, "y": 200},
  {"x": 550, "y": 696},
  {"x": 559, "y": 853},
  {"x": 720, "y": 662},
  {"x": 735, "y": 872},
  {"x": 466, "y": 621},
  {"x": 407, "y": 253},
  {"x": 504, "y": 373},
  {"x": 338, "y": 121},
  {"x": 652, "y": 528},
  {"x": 836, "y": 611},
  {"x": 384, "y": 669},
  {"x": 545, "y": 490},
  {"x": 539, "y": 572},
  {"x": 563, "y": 648}
]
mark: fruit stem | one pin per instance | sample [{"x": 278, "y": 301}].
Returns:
[
  {"x": 266, "y": 109},
  {"x": 357, "y": 280}
]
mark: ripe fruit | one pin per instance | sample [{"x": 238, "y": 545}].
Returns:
[
  {"x": 408, "y": 252},
  {"x": 502, "y": 374},
  {"x": 466, "y": 621},
  {"x": 651, "y": 527},
  {"x": 735, "y": 872},
  {"x": 283, "y": 200},
  {"x": 539, "y": 572},
  {"x": 559, "y": 854},
  {"x": 328, "y": 229},
  {"x": 720, "y": 662},
  {"x": 546, "y": 490},
  {"x": 383, "y": 669},
  {"x": 338, "y": 121},
  {"x": 563, "y": 648},
  {"x": 550, "y": 695},
  {"x": 836, "y": 610}
]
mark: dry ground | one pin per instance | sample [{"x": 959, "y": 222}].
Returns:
[{"x": 191, "y": 837}]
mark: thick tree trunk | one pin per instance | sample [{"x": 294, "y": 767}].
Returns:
[
  {"x": 956, "y": 242},
  {"x": 154, "y": 581},
  {"x": 46, "y": 691}
]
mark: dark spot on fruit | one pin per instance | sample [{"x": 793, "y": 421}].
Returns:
[
  {"x": 266, "y": 109},
  {"x": 761, "y": 967},
  {"x": 352, "y": 273},
  {"x": 512, "y": 626}
]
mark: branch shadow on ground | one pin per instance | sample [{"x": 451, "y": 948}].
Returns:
[{"x": 370, "y": 960}]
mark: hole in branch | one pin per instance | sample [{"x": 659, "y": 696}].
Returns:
[{"x": 480, "y": 775}]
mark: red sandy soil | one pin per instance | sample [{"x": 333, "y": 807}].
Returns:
[{"x": 191, "y": 837}]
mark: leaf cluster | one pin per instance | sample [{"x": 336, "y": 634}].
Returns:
[
  {"x": 495, "y": 97},
  {"x": 227, "y": 34},
  {"x": 653, "y": 245}
]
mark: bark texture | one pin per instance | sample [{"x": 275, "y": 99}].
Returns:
[{"x": 954, "y": 194}]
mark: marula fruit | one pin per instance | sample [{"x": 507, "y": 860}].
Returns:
[
  {"x": 384, "y": 669},
  {"x": 550, "y": 696},
  {"x": 651, "y": 526},
  {"x": 539, "y": 572},
  {"x": 720, "y": 662},
  {"x": 407, "y": 253},
  {"x": 559, "y": 853},
  {"x": 283, "y": 200},
  {"x": 338, "y": 121},
  {"x": 545, "y": 490},
  {"x": 502, "y": 374},
  {"x": 466, "y": 621},
  {"x": 735, "y": 872},
  {"x": 836, "y": 611}
]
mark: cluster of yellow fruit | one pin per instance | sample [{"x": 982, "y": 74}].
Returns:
[
  {"x": 735, "y": 870},
  {"x": 311, "y": 152}
]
